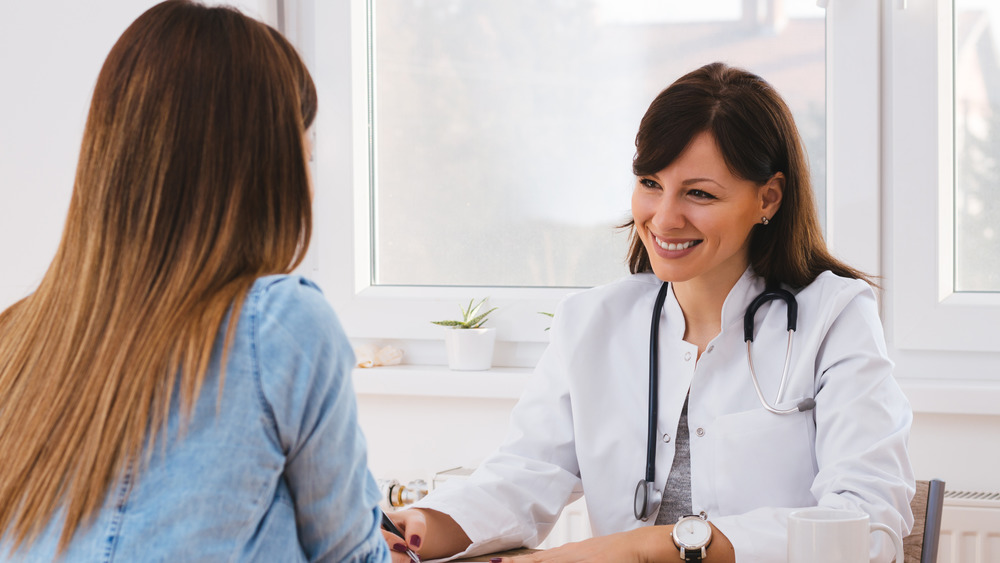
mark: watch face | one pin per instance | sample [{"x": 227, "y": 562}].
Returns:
[{"x": 692, "y": 532}]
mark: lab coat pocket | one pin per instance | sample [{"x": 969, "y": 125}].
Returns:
[{"x": 763, "y": 459}]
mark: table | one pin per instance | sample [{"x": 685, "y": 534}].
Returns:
[{"x": 488, "y": 556}]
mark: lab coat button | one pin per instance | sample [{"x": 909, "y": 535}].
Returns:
[
  {"x": 666, "y": 438},
  {"x": 687, "y": 356},
  {"x": 700, "y": 432},
  {"x": 709, "y": 349}
]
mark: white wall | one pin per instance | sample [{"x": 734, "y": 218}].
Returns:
[
  {"x": 415, "y": 437},
  {"x": 964, "y": 450},
  {"x": 50, "y": 54}
]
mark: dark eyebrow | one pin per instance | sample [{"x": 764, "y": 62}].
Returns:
[{"x": 692, "y": 181}]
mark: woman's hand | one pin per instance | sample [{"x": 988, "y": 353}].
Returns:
[
  {"x": 642, "y": 545},
  {"x": 429, "y": 533}
]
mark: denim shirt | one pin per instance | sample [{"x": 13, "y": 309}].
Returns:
[{"x": 275, "y": 470}]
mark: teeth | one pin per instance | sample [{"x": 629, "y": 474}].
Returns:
[{"x": 672, "y": 246}]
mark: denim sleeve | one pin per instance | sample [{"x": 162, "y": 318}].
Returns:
[{"x": 304, "y": 371}]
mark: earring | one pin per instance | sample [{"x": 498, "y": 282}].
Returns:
[{"x": 764, "y": 220}]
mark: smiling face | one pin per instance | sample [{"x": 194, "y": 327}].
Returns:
[{"x": 694, "y": 217}]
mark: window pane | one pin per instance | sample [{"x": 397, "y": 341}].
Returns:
[
  {"x": 504, "y": 130},
  {"x": 977, "y": 146}
]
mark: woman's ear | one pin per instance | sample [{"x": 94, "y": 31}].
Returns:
[{"x": 770, "y": 194}]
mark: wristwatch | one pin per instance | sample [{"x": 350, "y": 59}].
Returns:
[{"x": 692, "y": 534}]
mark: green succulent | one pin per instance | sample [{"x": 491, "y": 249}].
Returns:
[
  {"x": 471, "y": 317},
  {"x": 550, "y": 315}
]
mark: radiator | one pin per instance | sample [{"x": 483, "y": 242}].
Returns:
[{"x": 970, "y": 528}]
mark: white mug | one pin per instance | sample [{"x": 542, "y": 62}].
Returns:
[{"x": 829, "y": 535}]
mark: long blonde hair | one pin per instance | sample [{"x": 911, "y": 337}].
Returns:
[{"x": 191, "y": 183}]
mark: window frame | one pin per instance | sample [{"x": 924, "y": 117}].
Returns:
[
  {"x": 853, "y": 90},
  {"x": 926, "y": 312},
  {"x": 939, "y": 339}
]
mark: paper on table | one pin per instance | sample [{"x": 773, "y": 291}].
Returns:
[{"x": 488, "y": 556}]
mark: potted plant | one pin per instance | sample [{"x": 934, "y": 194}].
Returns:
[
  {"x": 470, "y": 346},
  {"x": 549, "y": 315}
]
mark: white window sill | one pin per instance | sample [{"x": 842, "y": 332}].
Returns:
[
  {"x": 928, "y": 396},
  {"x": 938, "y": 396},
  {"x": 439, "y": 381}
]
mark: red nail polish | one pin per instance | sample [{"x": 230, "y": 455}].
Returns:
[
  {"x": 415, "y": 541},
  {"x": 399, "y": 547},
  {"x": 496, "y": 560}
]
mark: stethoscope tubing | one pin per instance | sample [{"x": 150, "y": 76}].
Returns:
[
  {"x": 654, "y": 340},
  {"x": 642, "y": 503},
  {"x": 792, "y": 314},
  {"x": 803, "y": 405}
]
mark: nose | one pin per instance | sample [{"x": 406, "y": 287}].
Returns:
[{"x": 668, "y": 215}]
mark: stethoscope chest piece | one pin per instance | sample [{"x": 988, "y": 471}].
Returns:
[{"x": 647, "y": 497}]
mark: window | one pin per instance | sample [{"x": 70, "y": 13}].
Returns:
[
  {"x": 503, "y": 131},
  {"x": 831, "y": 85},
  {"x": 938, "y": 178},
  {"x": 977, "y": 145}
]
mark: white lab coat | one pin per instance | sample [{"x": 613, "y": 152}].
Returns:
[{"x": 582, "y": 420}]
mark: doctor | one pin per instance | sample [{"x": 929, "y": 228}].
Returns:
[{"x": 722, "y": 210}]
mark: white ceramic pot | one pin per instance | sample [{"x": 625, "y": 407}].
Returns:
[{"x": 470, "y": 349}]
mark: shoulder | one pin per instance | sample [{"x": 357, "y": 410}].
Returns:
[
  {"x": 610, "y": 302},
  {"x": 292, "y": 304},
  {"x": 622, "y": 289},
  {"x": 830, "y": 297},
  {"x": 287, "y": 288},
  {"x": 830, "y": 288}
]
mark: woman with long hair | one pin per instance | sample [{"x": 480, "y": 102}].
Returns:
[
  {"x": 654, "y": 371},
  {"x": 169, "y": 391}
]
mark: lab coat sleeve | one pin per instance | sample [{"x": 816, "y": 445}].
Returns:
[
  {"x": 862, "y": 421},
  {"x": 515, "y": 496}
]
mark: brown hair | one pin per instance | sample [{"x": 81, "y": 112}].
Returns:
[
  {"x": 757, "y": 136},
  {"x": 191, "y": 183}
]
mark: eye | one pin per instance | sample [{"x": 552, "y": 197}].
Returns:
[
  {"x": 651, "y": 184},
  {"x": 701, "y": 194}
]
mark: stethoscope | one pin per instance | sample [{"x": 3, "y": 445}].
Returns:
[{"x": 646, "y": 494}]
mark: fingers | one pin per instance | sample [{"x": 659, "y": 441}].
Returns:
[
  {"x": 414, "y": 527},
  {"x": 429, "y": 533},
  {"x": 395, "y": 542}
]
